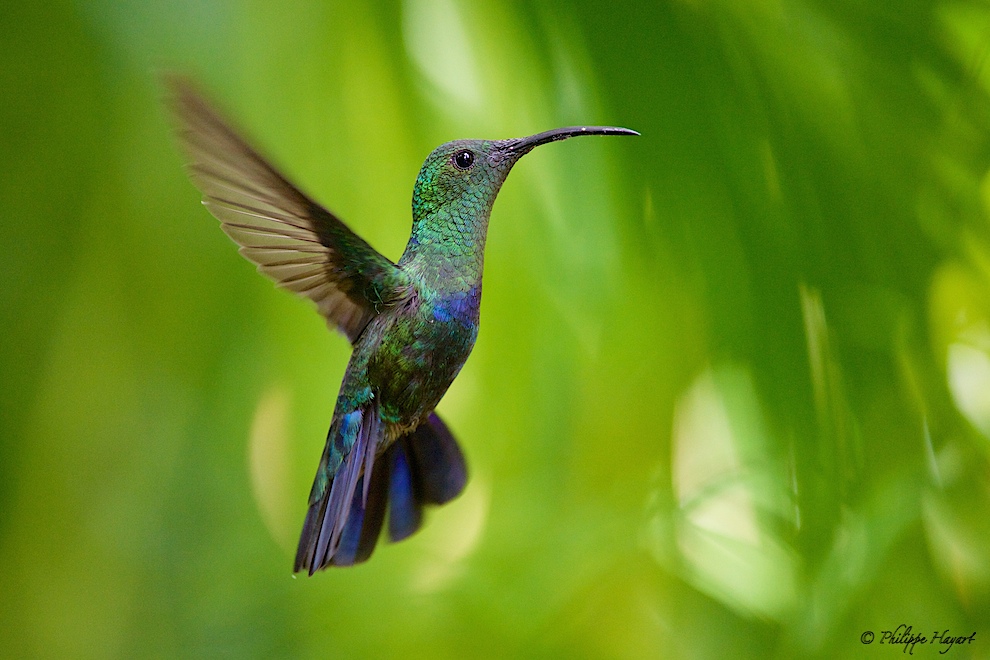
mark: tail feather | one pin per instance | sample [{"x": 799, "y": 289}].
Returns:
[
  {"x": 405, "y": 507},
  {"x": 310, "y": 530},
  {"x": 364, "y": 522},
  {"x": 350, "y": 537},
  {"x": 374, "y": 513},
  {"x": 351, "y": 447},
  {"x": 440, "y": 469},
  {"x": 365, "y": 427},
  {"x": 423, "y": 467}
]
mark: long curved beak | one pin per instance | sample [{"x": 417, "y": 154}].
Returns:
[{"x": 519, "y": 146}]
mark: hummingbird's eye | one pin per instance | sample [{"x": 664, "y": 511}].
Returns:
[{"x": 463, "y": 159}]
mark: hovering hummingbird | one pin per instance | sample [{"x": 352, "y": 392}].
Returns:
[{"x": 412, "y": 324}]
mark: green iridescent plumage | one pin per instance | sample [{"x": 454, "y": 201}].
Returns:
[{"x": 413, "y": 323}]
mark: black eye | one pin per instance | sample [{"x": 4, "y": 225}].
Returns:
[{"x": 463, "y": 159}]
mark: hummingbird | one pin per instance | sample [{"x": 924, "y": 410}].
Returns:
[{"x": 411, "y": 324}]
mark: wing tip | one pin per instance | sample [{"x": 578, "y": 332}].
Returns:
[{"x": 184, "y": 98}]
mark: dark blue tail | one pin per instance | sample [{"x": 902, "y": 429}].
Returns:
[{"x": 423, "y": 467}]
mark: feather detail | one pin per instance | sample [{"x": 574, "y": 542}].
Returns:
[
  {"x": 292, "y": 239},
  {"x": 338, "y": 497},
  {"x": 440, "y": 470},
  {"x": 405, "y": 510},
  {"x": 347, "y": 513}
]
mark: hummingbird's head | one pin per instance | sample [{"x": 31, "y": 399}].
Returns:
[
  {"x": 466, "y": 175},
  {"x": 460, "y": 176},
  {"x": 453, "y": 199}
]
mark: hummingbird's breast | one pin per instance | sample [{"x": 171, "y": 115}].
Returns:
[{"x": 422, "y": 348}]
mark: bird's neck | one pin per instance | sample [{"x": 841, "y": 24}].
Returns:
[{"x": 446, "y": 250}]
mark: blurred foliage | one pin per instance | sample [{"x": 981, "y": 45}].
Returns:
[{"x": 732, "y": 390}]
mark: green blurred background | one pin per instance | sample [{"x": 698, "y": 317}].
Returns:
[{"x": 731, "y": 396}]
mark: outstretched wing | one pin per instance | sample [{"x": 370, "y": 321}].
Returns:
[{"x": 292, "y": 239}]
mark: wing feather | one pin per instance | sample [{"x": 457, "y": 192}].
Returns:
[{"x": 293, "y": 240}]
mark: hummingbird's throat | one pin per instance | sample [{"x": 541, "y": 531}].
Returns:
[{"x": 447, "y": 249}]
